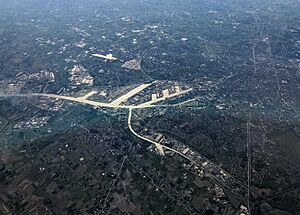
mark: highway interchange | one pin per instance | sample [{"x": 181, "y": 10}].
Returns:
[{"x": 118, "y": 104}]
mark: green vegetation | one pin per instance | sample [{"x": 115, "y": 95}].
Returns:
[
  {"x": 289, "y": 144},
  {"x": 3, "y": 123}
]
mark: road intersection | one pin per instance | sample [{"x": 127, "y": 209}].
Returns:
[{"x": 117, "y": 104}]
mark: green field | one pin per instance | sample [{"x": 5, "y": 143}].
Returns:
[
  {"x": 3, "y": 123},
  {"x": 289, "y": 144}
]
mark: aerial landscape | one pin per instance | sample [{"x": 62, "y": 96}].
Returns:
[{"x": 159, "y": 107}]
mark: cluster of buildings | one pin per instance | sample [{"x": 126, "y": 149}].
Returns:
[
  {"x": 17, "y": 85},
  {"x": 158, "y": 92},
  {"x": 236, "y": 191},
  {"x": 14, "y": 87},
  {"x": 34, "y": 122},
  {"x": 43, "y": 75},
  {"x": 79, "y": 76},
  {"x": 132, "y": 64}
]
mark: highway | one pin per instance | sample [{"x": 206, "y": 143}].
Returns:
[
  {"x": 131, "y": 93},
  {"x": 159, "y": 146},
  {"x": 117, "y": 103},
  {"x": 161, "y": 149},
  {"x": 81, "y": 100},
  {"x": 84, "y": 100},
  {"x": 149, "y": 103}
]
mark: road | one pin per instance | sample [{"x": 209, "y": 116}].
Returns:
[
  {"x": 81, "y": 100},
  {"x": 249, "y": 166},
  {"x": 161, "y": 149},
  {"x": 89, "y": 94},
  {"x": 149, "y": 103},
  {"x": 159, "y": 146},
  {"x": 131, "y": 93},
  {"x": 84, "y": 100}
]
